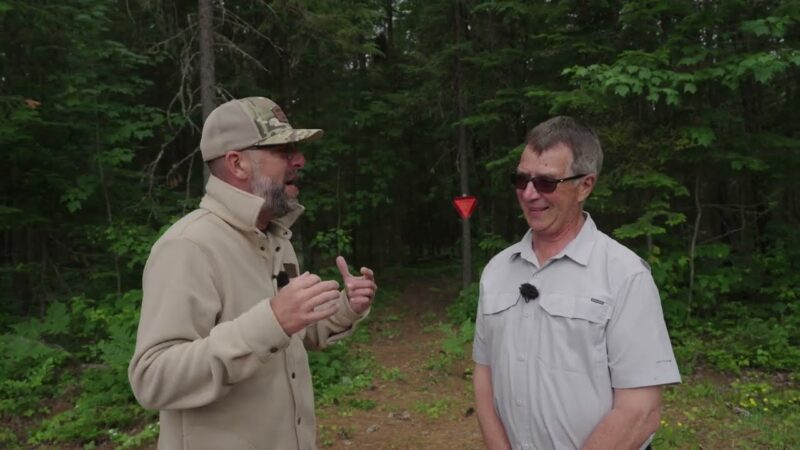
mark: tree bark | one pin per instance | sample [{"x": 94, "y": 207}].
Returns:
[
  {"x": 205, "y": 21},
  {"x": 463, "y": 163},
  {"x": 389, "y": 7}
]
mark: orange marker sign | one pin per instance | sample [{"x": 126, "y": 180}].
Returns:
[{"x": 465, "y": 205}]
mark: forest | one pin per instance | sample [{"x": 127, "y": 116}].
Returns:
[{"x": 696, "y": 102}]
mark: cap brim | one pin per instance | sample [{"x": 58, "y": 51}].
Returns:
[{"x": 291, "y": 136}]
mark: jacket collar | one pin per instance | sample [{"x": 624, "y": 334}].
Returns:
[{"x": 240, "y": 209}]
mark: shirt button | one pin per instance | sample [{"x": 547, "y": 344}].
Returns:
[
  {"x": 262, "y": 247},
  {"x": 273, "y": 349},
  {"x": 526, "y": 314},
  {"x": 519, "y": 402},
  {"x": 293, "y": 375},
  {"x": 520, "y": 358},
  {"x": 277, "y": 249},
  {"x": 298, "y": 421}
]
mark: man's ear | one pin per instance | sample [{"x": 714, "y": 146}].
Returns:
[
  {"x": 238, "y": 165},
  {"x": 586, "y": 186}
]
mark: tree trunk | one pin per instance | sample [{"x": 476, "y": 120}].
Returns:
[
  {"x": 205, "y": 21},
  {"x": 463, "y": 163},
  {"x": 389, "y": 7}
]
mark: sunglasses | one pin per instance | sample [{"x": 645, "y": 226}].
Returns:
[
  {"x": 280, "y": 148},
  {"x": 543, "y": 185}
]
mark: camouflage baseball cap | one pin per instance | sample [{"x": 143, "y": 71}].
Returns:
[{"x": 249, "y": 122}]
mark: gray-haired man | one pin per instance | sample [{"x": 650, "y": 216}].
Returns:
[{"x": 570, "y": 342}]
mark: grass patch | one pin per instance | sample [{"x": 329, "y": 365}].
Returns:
[
  {"x": 710, "y": 410},
  {"x": 329, "y": 434},
  {"x": 393, "y": 374},
  {"x": 433, "y": 409}
]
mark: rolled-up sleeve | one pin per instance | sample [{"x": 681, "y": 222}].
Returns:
[
  {"x": 480, "y": 354},
  {"x": 639, "y": 349}
]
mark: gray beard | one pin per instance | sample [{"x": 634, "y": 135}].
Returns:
[{"x": 276, "y": 202}]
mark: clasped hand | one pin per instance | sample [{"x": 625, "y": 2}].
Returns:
[{"x": 307, "y": 299}]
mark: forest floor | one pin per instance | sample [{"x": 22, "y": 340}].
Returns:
[{"x": 415, "y": 401}]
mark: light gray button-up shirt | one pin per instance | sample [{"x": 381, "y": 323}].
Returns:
[{"x": 596, "y": 325}]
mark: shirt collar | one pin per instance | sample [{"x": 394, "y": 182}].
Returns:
[
  {"x": 524, "y": 249},
  {"x": 578, "y": 250},
  {"x": 241, "y": 209}
]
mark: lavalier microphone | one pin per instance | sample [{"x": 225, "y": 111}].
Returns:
[{"x": 528, "y": 291}]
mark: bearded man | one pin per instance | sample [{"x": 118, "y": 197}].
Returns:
[{"x": 227, "y": 315}]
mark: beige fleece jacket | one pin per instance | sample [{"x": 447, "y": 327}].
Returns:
[{"x": 210, "y": 353}]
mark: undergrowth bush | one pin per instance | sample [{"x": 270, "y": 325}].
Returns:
[
  {"x": 453, "y": 345},
  {"x": 29, "y": 371},
  {"x": 465, "y": 305},
  {"x": 343, "y": 368},
  {"x": 91, "y": 338},
  {"x": 744, "y": 312},
  {"x": 739, "y": 338},
  {"x": 338, "y": 371},
  {"x": 105, "y": 401},
  {"x": 458, "y": 331}
]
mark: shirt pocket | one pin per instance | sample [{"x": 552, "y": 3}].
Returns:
[
  {"x": 498, "y": 324},
  {"x": 497, "y": 303},
  {"x": 570, "y": 333}
]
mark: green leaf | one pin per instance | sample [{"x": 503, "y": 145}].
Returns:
[
  {"x": 691, "y": 60},
  {"x": 476, "y": 120},
  {"x": 757, "y": 27},
  {"x": 700, "y": 136},
  {"x": 793, "y": 57},
  {"x": 637, "y": 229},
  {"x": 671, "y": 96},
  {"x": 744, "y": 162},
  {"x": 770, "y": 26},
  {"x": 57, "y": 319},
  {"x": 653, "y": 180},
  {"x": 115, "y": 157}
]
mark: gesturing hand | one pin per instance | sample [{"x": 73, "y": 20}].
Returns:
[
  {"x": 360, "y": 290},
  {"x": 305, "y": 300}
]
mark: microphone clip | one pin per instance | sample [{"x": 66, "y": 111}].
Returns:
[
  {"x": 282, "y": 279},
  {"x": 528, "y": 292}
]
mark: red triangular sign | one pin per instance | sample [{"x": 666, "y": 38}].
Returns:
[{"x": 465, "y": 205}]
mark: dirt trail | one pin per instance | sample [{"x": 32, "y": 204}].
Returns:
[{"x": 416, "y": 407}]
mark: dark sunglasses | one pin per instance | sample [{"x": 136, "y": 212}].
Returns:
[
  {"x": 543, "y": 185},
  {"x": 280, "y": 148}
]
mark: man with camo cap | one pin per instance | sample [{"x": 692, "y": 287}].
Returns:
[{"x": 226, "y": 313}]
